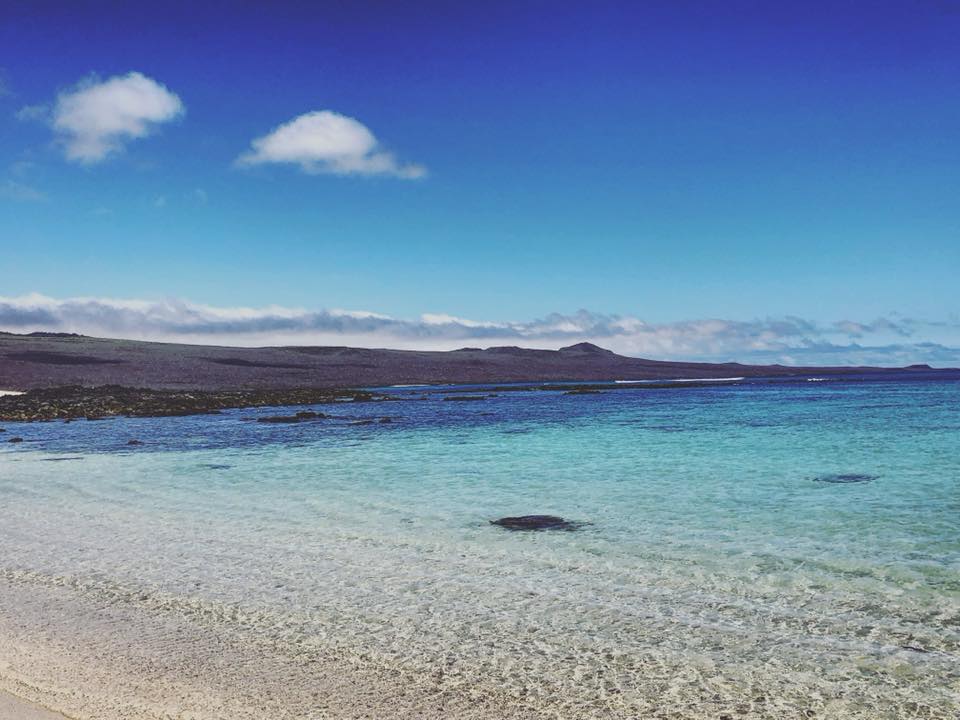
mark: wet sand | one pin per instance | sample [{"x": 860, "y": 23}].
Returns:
[
  {"x": 13, "y": 708},
  {"x": 107, "y": 661}
]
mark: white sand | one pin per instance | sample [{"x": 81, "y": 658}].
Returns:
[
  {"x": 13, "y": 708},
  {"x": 112, "y": 662}
]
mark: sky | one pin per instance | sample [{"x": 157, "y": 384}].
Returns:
[{"x": 747, "y": 181}]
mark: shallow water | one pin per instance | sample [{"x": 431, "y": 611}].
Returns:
[{"x": 716, "y": 572}]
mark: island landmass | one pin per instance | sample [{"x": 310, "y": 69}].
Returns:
[{"x": 67, "y": 376}]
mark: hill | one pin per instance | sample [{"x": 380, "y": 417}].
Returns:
[{"x": 52, "y": 360}]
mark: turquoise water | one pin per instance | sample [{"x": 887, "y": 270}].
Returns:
[{"x": 715, "y": 569}]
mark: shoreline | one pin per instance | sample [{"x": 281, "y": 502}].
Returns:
[
  {"x": 107, "y": 667},
  {"x": 94, "y": 656}
]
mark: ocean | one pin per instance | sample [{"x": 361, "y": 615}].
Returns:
[{"x": 764, "y": 548}]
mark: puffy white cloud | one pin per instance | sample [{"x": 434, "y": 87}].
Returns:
[
  {"x": 95, "y": 119},
  {"x": 785, "y": 340},
  {"x": 328, "y": 142}
]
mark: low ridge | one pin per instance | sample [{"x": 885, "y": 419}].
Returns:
[{"x": 43, "y": 361}]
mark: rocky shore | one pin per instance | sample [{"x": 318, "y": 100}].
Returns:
[{"x": 73, "y": 402}]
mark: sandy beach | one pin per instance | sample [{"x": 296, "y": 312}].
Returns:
[
  {"x": 123, "y": 663},
  {"x": 14, "y": 708}
]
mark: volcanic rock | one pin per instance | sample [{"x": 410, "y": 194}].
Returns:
[{"x": 535, "y": 522}]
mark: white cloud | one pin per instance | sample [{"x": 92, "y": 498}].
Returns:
[
  {"x": 328, "y": 142},
  {"x": 444, "y": 319},
  {"x": 786, "y": 340},
  {"x": 95, "y": 119}
]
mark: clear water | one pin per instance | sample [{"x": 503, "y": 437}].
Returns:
[{"x": 715, "y": 569}]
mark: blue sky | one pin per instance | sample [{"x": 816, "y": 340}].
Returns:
[{"x": 669, "y": 163}]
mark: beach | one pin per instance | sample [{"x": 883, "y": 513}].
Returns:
[
  {"x": 14, "y": 708},
  {"x": 121, "y": 664},
  {"x": 757, "y": 550}
]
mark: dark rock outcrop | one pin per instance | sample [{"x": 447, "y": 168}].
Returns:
[
  {"x": 298, "y": 417},
  {"x": 95, "y": 403},
  {"x": 15, "y": 440},
  {"x": 843, "y": 479},
  {"x": 536, "y": 522}
]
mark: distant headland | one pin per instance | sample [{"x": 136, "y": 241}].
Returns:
[
  {"x": 59, "y": 371},
  {"x": 44, "y": 360}
]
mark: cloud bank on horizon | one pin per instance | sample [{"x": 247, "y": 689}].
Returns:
[{"x": 787, "y": 340}]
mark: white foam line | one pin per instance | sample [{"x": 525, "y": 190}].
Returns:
[{"x": 680, "y": 380}]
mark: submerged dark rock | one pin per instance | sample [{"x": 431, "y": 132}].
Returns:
[
  {"x": 134, "y": 442},
  {"x": 15, "y": 440},
  {"x": 298, "y": 417},
  {"x": 536, "y": 522},
  {"x": 843, "y": 479}
]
